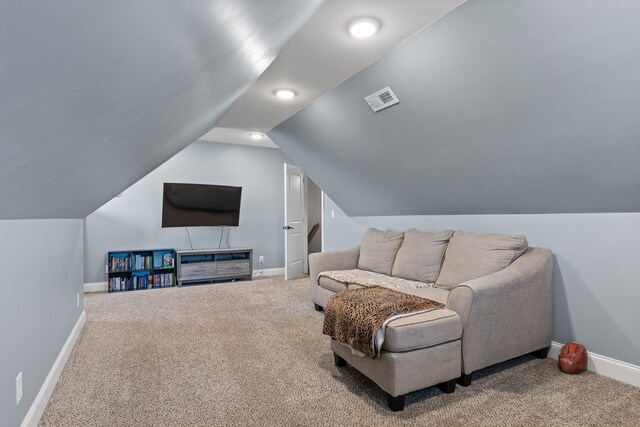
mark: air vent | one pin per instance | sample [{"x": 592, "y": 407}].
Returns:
[{"x": 382, "y": 99}]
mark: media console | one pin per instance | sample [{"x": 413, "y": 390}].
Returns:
[{"x": 213, "y": 265}]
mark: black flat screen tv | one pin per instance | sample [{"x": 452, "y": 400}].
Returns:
[{"x": 191, "y": 205}]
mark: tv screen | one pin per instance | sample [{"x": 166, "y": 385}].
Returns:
[{"x": 190, "y": 205}]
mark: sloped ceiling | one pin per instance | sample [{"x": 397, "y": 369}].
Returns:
[
  {"x": 96, "y": 94},
  {"x": 505, "y": 107},
  {"x": 323, "y": 55}
]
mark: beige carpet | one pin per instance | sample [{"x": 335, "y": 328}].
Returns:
[{"x": 251, "y": 353}]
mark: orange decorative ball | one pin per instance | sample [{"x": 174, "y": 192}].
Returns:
[{"x": 572, "y": 358}]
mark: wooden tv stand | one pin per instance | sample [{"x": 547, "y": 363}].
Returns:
[{"x": 213, "y": 265}]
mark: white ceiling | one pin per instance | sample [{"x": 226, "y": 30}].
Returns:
[{"x": 324, "y": 54}]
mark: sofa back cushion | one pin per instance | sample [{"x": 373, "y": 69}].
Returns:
[
  {"x": 378, "y": 250},
  {"x": 469, "y": 256},
  {"x": 420, "y": 255}
]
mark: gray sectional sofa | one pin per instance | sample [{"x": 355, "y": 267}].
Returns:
[{"x": 496, "y": 291}]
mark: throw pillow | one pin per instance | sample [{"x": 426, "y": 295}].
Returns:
[
  {"x": 469, "y": 256},
  {"x": 378, "y": 250},
  {"x": 420, "y": 255}
]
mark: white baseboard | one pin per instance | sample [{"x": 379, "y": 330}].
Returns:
[
  {"x": 102, "y": 286},
  {"x": 40, "y": 403},
  {"x": 603, "y": 365},
  {"x": 95, "y": 287},
  {"x": 269, "y": 272}
]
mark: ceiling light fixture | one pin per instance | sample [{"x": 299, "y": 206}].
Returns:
[
  {"x": 285, "y": 93},
  {"x": 257, "y": 136},
  {"x": 362, "y": 28}
]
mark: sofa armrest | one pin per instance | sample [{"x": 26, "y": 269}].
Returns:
[
  {"x": 337, "y": 260},
  {"x": 505, "y": 314}
]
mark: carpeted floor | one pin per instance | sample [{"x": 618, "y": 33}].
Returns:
[{"x": 251, "y": 353}]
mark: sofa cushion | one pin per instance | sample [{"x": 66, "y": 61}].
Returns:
[
  {"x": 331, "y": 284},
  {"x": 378, "y": 250},
  {"x": 420, "y": 255},
  {"x": 422, "y": 330},
  {"x": 469, "y": 256}
]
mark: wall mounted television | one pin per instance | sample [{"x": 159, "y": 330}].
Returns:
[{"x": 191, "y": 205}]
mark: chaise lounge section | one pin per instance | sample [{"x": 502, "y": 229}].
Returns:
[{"x": 496, "y": 291}]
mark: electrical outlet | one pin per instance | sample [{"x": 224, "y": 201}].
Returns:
[
  {"x": 78, "y": 299},
  {"x": 106, "y": 269},
  {"x": 18, "y": 388},
  {"x": 333, "y": 213},
  {"x": 261, "y": 259}
]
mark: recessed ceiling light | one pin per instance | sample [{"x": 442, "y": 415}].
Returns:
[
  {"x": 285, "y": 93},
  {"x": 362, "y": 28},
  {"x": 256, "y": 136}
]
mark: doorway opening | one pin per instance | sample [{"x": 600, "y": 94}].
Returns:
[{"x": 314, "y": 213}]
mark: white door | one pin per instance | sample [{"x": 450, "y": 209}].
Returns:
[{"x": 295, "y": 228}]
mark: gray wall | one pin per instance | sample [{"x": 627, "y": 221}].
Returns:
[
  {"x": 505, "y": 107},
  {"x": 96, "y": 94},
  {"x": 133, "y": 220},
  {"x": 42, "y": 273},
  {"x": 596, "y": 275},
  {"x": 511, "y": 108}
]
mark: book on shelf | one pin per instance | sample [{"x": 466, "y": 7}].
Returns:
[
  {"x": 120, "y": 263},
  {"x": 117, "y": 284},
  {"x": 142, "y": 282},
  {"x": 163, "y": 280},
  {"x": 142, "y": 262},
  {"x": 167, "y": 261}
]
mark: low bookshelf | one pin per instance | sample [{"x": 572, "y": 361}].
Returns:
[
  {"x": 214, "y": 265},
  {"x": 141, "y": 269}
]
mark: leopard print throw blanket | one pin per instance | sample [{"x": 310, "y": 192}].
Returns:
[{"x": 358, "y": 317}]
